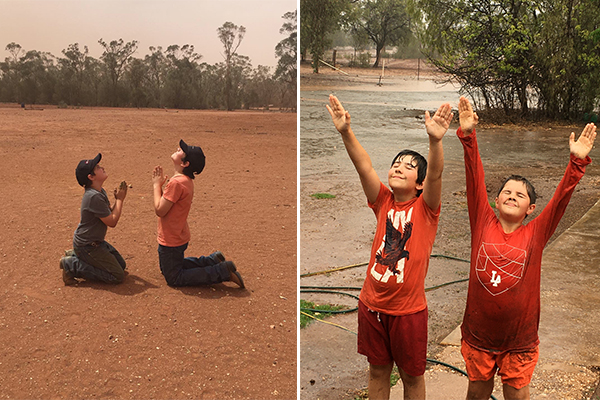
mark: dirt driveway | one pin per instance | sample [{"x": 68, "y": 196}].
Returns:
[
  {"x": 338, "y": 232},
  {"x": 143, "y": 339}
]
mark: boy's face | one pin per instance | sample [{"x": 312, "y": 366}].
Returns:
[
  {"x": 99, "y": 175},
  {"x": 177, "y": 158},
  {"x": 403, "y": 175},
  {"x": 513, "y": 202}
]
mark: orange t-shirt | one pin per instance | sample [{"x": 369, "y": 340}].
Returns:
[
  {"x": 395, "y": 282},
  {"x": 173, "y": 229}
]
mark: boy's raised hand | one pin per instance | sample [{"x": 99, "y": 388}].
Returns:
[
  {"x": 468, "y": 118},
  {"x": 437, "y": 125},
  {"x": 339, "y": 116},
  {"x": 581, "y": 148},
  {"x": 158, "y": 177},
  {"x": 121, "y": 192}
]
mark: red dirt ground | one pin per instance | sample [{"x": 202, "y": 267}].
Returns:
[{"x": 143, "y": 339}]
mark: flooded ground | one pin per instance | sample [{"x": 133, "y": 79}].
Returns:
[{"x": 338, "y": 232}]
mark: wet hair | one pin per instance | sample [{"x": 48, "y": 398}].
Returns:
[
  {"x": 421, "y": 165},
  {"x": 187, "y": 171},
  {"x": 530, "y": 189}
]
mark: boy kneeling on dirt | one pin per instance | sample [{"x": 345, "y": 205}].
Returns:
[
  {"x": 92, "y": 257},
  {"x": 392, "y": 316},
  {"x": 172, "y": 207},
  {"x": 500, "y": 325}
]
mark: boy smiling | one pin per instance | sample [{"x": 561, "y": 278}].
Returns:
[
  {"x": 392, "y": 316},
  {"x": 500, "y": 324}
]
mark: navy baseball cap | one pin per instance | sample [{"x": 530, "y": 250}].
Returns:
[
  {"x": 86, "y": 167},
  {"x": 194, "y": 155}
]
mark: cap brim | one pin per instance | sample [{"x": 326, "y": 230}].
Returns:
[
  {"x": 183, "y": 146},
  {"x": 96, "y": 160}
]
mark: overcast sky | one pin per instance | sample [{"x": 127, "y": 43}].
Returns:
[{"x": 52, "y": 25}]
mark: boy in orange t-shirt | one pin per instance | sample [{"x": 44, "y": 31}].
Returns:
[
  {"x": 392, "y": 316},
  {"x": 172, "y": 206}
]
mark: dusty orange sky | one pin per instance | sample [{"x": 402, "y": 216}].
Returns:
[{"x": 52, "y": 25}]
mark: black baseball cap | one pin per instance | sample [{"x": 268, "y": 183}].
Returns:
[
  {"x": 194, "y": 155},
  {"x": 86, "y": 167}
]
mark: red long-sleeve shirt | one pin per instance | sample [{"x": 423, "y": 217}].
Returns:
[{"x": 503, "y": 300}]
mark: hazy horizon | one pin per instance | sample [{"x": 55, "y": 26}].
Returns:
[{"x": 52, "y": 25}]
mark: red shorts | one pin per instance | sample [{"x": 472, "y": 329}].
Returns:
[
  {"x": 386, "y": 338},
  {"x": 515, "y": 369}
]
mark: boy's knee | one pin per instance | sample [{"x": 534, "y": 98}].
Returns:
[
  {"x": 379, "y": 372},
  {"x": 172, "y": 281}
]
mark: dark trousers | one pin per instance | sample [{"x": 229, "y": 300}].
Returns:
[
  {"x": 98, "y": 262},
  {"x": 179, "y": 270}
]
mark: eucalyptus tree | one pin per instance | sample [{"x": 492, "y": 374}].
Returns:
[
  {"x": 318, "y": 20},
  {"x": 156, "y": 67},
  {"x": 286, "y": 51},
  {"x": 384, "y": 22},
  {"x": 231, "y": 36},
  {"x": 116, "y": 56},
  {"x": 74, "y": 77},
  {"x": 183, "y": 84}
]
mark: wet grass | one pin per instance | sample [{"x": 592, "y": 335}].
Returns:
[
  {"x": 305, "y": 320},
  {"x": 322, "y": 196}
]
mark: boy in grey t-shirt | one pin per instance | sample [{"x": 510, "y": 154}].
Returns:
[{"x": 93, "y": 258}]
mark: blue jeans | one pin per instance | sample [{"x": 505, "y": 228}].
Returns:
[
  {"x": 98, "y": 262},
  {"x": 179, "y": 270}
]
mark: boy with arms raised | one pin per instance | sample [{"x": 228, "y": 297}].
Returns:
[
  {"x": 392, "y": 319},
  {"x": 172, "y": 206},
  {"x": 92, "y": 257},
  {"x": 500, "y": 325}
]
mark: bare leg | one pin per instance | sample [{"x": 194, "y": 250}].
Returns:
[
  {"x": 510, "y": 393},
  {"x": 414, "y": 386},
  {"x": 480, "y": 390},
  {"x": 379, "y": 381}
]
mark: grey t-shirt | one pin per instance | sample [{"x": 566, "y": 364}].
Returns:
[{"x": 94, "y": 205}]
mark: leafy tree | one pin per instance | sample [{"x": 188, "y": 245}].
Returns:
[
  {"x": 136, "y": 75},
  {"x": 510, "y": 54},
  {"x": 74, "y": 79},
  {"x": 286, "y": 51},
  {"x": 384, "y": 22},
  {"x": 156, "y": 65},
  {"x": 566, "y": 70},
  {"x": 486, "y": 45},
  {"x": 183, "y": 85},
  {"x": 318, "y": 19},
  {"x": 37, "y": 80},
  {"x": 231, "y": 36},
  {"x": 116, "y": 56}
]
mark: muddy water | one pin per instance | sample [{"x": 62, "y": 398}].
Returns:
[{"x": 386, "y": 121}]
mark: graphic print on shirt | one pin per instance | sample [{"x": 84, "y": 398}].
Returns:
[
  {"x": 500, "y": 266},
  {"x": 392, "y": 253}
]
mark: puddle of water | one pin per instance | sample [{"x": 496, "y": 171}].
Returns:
[{"x": 386, "y": 122}]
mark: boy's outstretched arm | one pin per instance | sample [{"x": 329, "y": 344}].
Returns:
[
  {"x": 468, "y": 118},
  {"x": 581, "y": 148},
  {"x": 359, "y": 156},
  {"x": 436, "y": 127}
]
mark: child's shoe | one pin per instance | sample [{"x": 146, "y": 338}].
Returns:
[
  {"x": 235, "y": 276},
  {"x": 67, "y": 276}
]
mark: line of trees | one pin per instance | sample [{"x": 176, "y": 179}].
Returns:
[
  {"x": 171, "y": 78},
  {"x": 524, "y": 58}
]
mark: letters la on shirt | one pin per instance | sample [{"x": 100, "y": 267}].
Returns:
[{"x": 395, "y": 281}]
